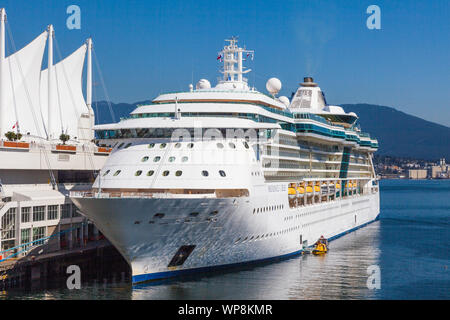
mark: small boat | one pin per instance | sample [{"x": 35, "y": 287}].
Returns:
[{"x": 321, "y": 246}]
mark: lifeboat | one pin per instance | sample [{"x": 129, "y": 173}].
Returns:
[
  {"x": 338, "y": 186},
  {"x": 309, "y": 189},
  {"x": 316, "y": 188},
  {"x": 321, "y": 246},
  {"x": 291, "y": 192},
  {"x": 301, "y": 190}
]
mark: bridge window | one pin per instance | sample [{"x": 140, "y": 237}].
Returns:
[
  {"x": 222, "y": 173},
  {"x": 184, "y": 159},
  {"x": 178, "y": 173},
  {"x": 156, "y": 159},
  {"x": 220, "y": 145},
  {"x": 171, "y": 159},
  {"x": 205, "y": 173},
  {"x": 150, "y": 173},
  {"x": 144, "y": 159},
  {"x": 232, "y": 145},
  {"x": 163, "y": 145},
  {"x": 106, "y": 172},
  {"x": 190, "y": 145},
  {"x": 117, "y": 172},
  {"x": 138, "y": 173},
  {"x": 165, "y": 173},
  {"x": 151, "y": 145}
]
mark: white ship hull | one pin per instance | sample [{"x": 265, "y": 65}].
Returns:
[{"x": 149, "y": 244}]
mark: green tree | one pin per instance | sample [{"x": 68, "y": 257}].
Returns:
[{"x": 64, "y": 137}]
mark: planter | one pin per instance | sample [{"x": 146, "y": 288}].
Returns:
[
  {"x": 103, "y": 150},
  {"x": 15, "y": 145},
  {"x": 65, "y": 148}
]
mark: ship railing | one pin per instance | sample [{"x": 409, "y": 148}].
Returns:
[{"x": 218, "y": 193}]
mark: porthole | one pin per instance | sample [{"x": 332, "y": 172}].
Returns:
[
  {"x": 162, "y": 145},
  {"x": 156, "y": 159},
  {"x": 171, "y": 159},
  {"x": 138, "y": 173},
  {"x": 107, "y": 171},
  {"x": 190, "y": 145},
  {"x": 144, "y": 159},
  {"x": 193, "y": 214},
  {"x": 177, "y": 145},
  {"x": 205, "y": 173},
  {"x": 158, "y": 215},
  {"x": 220, "y": 145},
  {"x": 151, "y": 145},
  {"x": 117, "y": 172},
  {"x": 150, "y": 173},
  {"x": 232, "y": 145},
  {"x": 214, "y": 213},
  {"x": 129, "y": 144},
  {"x": 246, "y": 145},
  {"x": 222, "y": 173},
  {"x": 178, "y": 173},
  {"x": 184, "y": 159},
  {"x": 165, "y": 173}
]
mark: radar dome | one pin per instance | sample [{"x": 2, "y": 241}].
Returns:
[
  {"x": 203, "y": 84},
  {"x": 273, "y": 85},
  {"x": 285, "y": 100}
]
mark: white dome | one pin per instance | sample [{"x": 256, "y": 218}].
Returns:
[
  {"x": 203, "y": 84},
  {"x": 285, "y": 100},
  {"x": 273, "y": 85}
]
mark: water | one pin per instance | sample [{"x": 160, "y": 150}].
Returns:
[{"x": 409, "y": 244}]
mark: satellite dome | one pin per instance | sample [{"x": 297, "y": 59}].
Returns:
[
  {"x": 273, "y": 85},
  {"x": 285, "y": 100},
  {"x": 203, "y": 84}
]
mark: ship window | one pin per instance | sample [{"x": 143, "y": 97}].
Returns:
[
  {"x": 144, "y": 159},
  {"x": 138, "y": 173},
  {"x": 151, "y": 145},
  {"x": 171, "y": 159},
  {"x": 205, "y": 173},
  {"x": 120, "y": 145},
  {"x": 159, "y": 215},
  {"x": 107, "y": 171},
  {"x": 150, "y": 173},
  {"x": 222, "y": 173},
  {"x": 117, "y": 172},
  {"x": 165, "y": 173},
  {"x": 163, "y": 145},
  {"x": 184, "y": 159},
  {"x": 178, "y": 173},
  {"x": 156, "y": 159},
  {"x": 220, "y": 145},
  {"x": 214, "y": 213},
  {"x": 232, "y": 145},
  {"x": 193, "y": 214},
  {"x": 129, "y": 144},
  {"x": 177, "y": 145},
  {"x": 246, "y": 145},
  {"x": 190, "y": 145}
]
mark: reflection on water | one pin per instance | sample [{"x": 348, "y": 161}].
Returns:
[{"x": 409, "y": 244}]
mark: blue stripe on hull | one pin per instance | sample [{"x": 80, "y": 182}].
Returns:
[{"x": 170, "y": 274}]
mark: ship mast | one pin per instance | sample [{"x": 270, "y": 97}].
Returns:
[
  {"x": 233, "y": 69},
  {"x": 50, "y": 83},
  {"x": 89, "y": 74},
  {"x": 2, "y": 71}
]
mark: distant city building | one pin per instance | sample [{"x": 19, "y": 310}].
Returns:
[{"x": 417, "y": 174}]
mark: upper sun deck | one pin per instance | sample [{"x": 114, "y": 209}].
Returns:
[{"x": 233, "y": 104}]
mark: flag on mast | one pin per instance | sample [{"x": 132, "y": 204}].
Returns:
[{"x": 15, "y": 124}]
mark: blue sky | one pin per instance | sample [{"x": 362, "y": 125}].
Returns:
[{"x": 148, "y": 47}]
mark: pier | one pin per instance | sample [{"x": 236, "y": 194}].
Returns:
[{"x": 99, "y": 262}]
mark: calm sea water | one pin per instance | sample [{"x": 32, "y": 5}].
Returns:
[{"x": 409, "y": 244}]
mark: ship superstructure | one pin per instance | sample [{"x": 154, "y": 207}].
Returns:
[
  {"x": 46, "y": 146},
  {"x": 223, "y": 175}
]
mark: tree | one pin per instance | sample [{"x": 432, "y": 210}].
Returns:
[
  {"x": 64, "y": 137},
  {"x": 11, "y": 136}
]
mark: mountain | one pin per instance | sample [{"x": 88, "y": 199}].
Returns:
[
  {"x": 402, "y": 135},
  {"x": 399, "y": 134}
]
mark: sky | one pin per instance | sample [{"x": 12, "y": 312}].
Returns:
[{"x": 146, "y": 47}]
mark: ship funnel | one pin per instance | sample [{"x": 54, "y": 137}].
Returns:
[{"x": 308, "y": 82}]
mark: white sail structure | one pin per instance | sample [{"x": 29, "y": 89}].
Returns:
[
  {"x": 21, "y": 75},
  {"x": 68, "y": 105}
]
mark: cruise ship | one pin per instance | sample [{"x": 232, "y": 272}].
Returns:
[
  {"x": 37, "y": 168},
  {"x": 219, "y": 176}
]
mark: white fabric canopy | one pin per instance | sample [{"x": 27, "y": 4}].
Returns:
[
  {"x": 68, "y": 100},
  {"x": 21, "y": 88}
]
